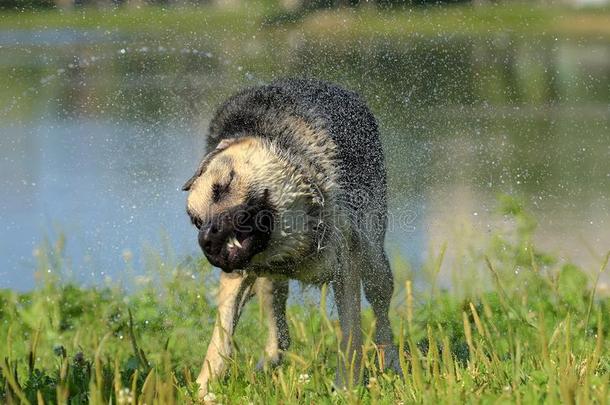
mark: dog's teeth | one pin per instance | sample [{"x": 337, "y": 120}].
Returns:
[
  {"x": 236, "y": 243},
  {"x": 230, "y": 244}
]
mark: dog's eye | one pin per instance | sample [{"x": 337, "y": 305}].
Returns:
[
  {"x": 196, "y": 221},
  {"x": 219, "y": 190}
]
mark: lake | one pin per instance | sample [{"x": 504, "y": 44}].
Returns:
[{"x": 100, "y": 129}]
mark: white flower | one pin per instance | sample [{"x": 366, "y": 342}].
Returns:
[
  {"x": 304, "y": 378},
  {"x": 124, "y": 396},
  {"x": 209, "y": 397}
]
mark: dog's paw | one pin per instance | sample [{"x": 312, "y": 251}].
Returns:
[
  {"x": 207, "y": 398},
  {"x": 389, "y": 359},
  {"x": 269, "y": 363}
]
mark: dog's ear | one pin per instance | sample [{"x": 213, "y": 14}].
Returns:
[{"x": 222, "y": 145}]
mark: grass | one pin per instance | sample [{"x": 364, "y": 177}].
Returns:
[
  {"x": 521, "y": 18},
  {"x": 516, "y": 326},
  {"x": 145, "y": 19},
  {"x": 253, "y": 18},
  {"x": 532, "y": 330}
]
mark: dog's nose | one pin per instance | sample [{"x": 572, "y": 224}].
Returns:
[{"x": 211, "y": 238}]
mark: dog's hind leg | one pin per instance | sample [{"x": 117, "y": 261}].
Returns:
[
  {"x": 273, "y": 295},
  {"x": 346, "y": 287},
  {"x": 378, "y": 285},
  {"x": 233, "y": 292}
]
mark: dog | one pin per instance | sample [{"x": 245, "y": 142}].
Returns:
[{"x": 294, "y": 187}]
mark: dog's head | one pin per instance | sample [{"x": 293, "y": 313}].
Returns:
[{"x": 242, "y": 198}]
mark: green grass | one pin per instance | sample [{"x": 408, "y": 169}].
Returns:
[
  {"x": 517, "y": 326},
  {"x": 253, "y": 18},
  {"x": 525, "y": 19},
  {"x": 145, "y": 19}
]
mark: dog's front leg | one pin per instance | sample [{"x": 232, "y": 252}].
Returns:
[
  {"x": 273, "y": 295},
  {"x": 346, "y": 287},
  {"x": 233, "y": 292}
]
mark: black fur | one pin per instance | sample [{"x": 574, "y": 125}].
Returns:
[{"x": 340, "y": 112}]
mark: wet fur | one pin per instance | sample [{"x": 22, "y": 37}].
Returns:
[{"x": 311, "y": 149}]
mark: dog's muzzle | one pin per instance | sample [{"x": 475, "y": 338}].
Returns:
[{"x": 231, "y": 239}]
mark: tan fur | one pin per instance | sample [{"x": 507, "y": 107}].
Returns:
[
  {"x": 233, "y": 292},
  {"x": 245, "y": 155},
  {"x": 259, "y": 162}
]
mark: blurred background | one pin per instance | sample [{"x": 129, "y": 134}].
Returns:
[{"x": 104, "y": 105}]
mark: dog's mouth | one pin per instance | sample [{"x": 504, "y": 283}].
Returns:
[
  {"x": 230, "y": 240},
  {"x": 237, "y": 251}
]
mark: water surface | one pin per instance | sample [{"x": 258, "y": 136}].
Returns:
[{"x": 99, "y": 130}]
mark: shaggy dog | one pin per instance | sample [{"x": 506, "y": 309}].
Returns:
[{"x": 294, "y": 187}]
